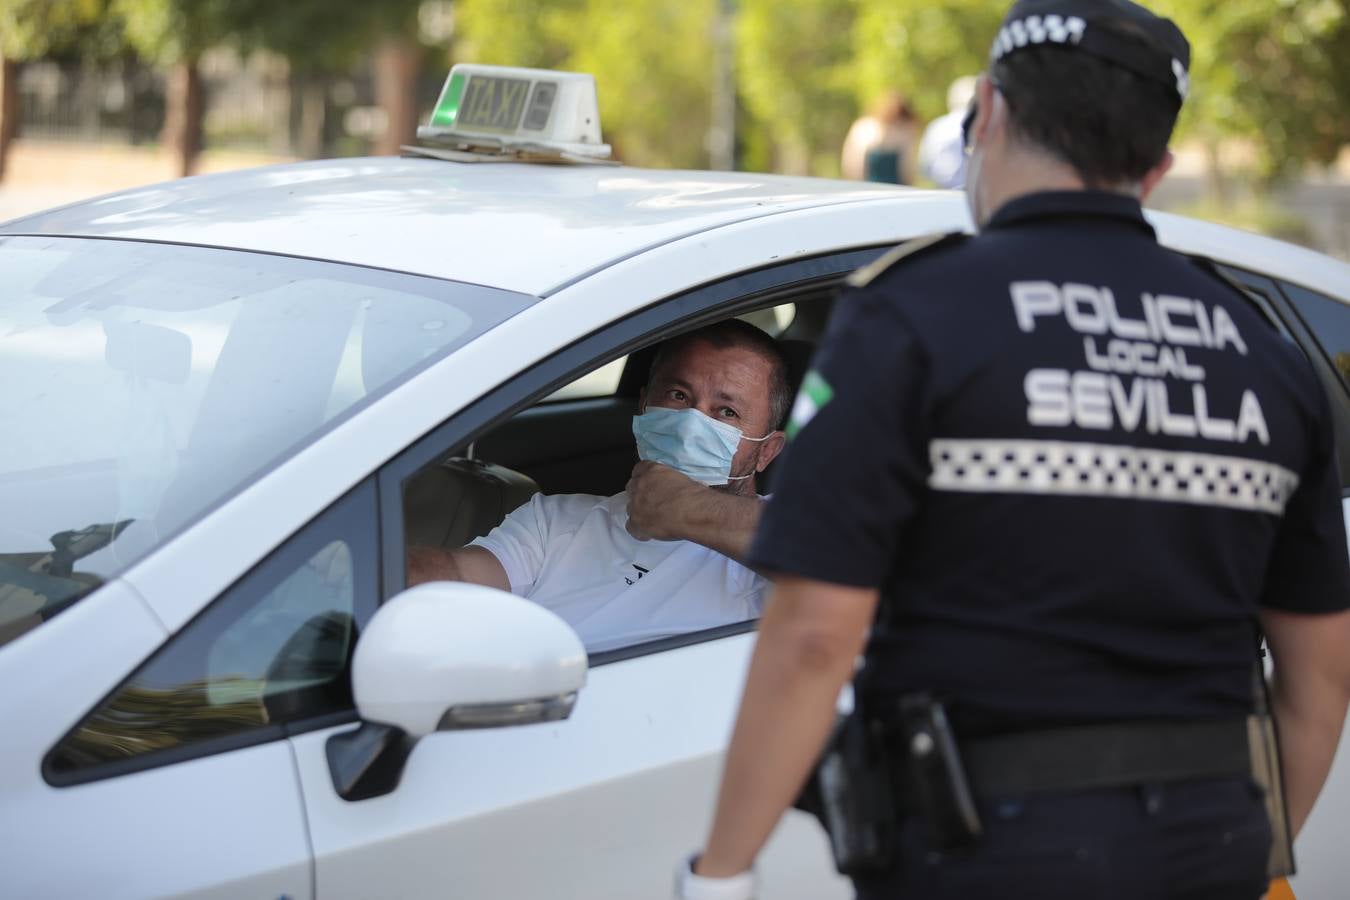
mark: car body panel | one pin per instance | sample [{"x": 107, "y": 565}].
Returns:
[
  {"x": 1254, "y": 253},
  {"x": 88, "y": 669},
  {"x": 599, "y": 804},
  {"x": 222, "y": 826},
  {"x": 226, "y": 825},
  {"x": 595, "y": 806},
  {"x": 442, "y": 219}
]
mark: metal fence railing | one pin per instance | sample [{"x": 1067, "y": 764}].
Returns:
[{"x": 253, "y": 102}]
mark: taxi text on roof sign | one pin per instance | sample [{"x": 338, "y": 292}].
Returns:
[{"x": 507, "y": 108}]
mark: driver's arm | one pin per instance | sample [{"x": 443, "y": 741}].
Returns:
[
  {"x": 472, "y": 564},
  {"x": 725, "y": 523},
  {"x": 511, "y": 554},
  {"x": 667, "y": 506}
]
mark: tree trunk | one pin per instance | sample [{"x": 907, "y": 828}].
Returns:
[
  {"x": 185, "y": 107},
  {"x": 313, "y": 113},
  {"x": 9, "y": 108},
  {"x": 396, "y": 64},
  {"x": 1216, "y": 183},
  {"x": 794, "y": 157},
  {"x": 722, "y": 127}
]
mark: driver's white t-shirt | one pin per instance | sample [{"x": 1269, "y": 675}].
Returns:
[{"x": 572, "y": 553}]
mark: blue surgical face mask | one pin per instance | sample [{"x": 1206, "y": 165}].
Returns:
[{"x": 690, "y": 442}]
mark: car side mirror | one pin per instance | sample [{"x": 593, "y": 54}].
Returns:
[{"x": 445, "y": 656}]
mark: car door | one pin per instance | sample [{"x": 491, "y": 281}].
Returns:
[
  {"x": 1320, "y": 322},
  {"x": 602, "y": 803},
  {"x": 178, "y": 781},
  {"x": 219, "y": 825},
  {"x": 598, "y": 805}
]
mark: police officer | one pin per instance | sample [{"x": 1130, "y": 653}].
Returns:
[{"x": 1062, "y": 475}]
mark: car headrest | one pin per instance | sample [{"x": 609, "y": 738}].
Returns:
[
  {"x": 798, "y": 355},
  {"x": 457, "y": 500}
]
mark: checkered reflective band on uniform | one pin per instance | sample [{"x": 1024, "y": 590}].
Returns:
[{"x": 1106, "y": 470}]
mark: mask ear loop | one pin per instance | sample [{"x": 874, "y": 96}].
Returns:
[{"x": 756, "y": 440}]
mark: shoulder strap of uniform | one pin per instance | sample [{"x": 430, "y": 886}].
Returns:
[{"x": 868, "y": 273}]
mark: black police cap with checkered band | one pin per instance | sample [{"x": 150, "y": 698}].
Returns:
[{"x": 1117, "y": 31}]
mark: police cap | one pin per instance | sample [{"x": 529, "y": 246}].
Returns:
[{"x": 1118, "y": 31}]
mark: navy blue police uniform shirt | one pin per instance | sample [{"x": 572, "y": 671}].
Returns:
[{"x": 1074, "y": 463}]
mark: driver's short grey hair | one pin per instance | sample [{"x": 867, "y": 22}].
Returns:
[{"x": 736, "y": 333}]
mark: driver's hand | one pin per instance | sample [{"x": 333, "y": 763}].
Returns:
[{"x": 658, "y": 497}]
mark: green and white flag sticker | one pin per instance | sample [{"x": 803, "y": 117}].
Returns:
[{"x": 811, "y": 399}]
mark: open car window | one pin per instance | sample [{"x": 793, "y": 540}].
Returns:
[
  {"x": 552, "y": 469},
  {"x": 522, "y": 441}
]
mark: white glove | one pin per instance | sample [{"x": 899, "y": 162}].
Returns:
[{"x": 689, "y": 886}]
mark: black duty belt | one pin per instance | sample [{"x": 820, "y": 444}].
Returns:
[{"x": 1116, "y": 754}]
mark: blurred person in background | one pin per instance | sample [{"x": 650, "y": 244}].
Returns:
[
  {"x": 883, "y": 145},
  {"x": 942, "y": 154}
]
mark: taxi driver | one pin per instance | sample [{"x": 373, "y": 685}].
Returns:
[{"x": 662, "y": 557}]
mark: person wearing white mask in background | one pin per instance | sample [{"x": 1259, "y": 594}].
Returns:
[
  {"x": 662, "y": 557},
  {"x": 942, "y": 152}
]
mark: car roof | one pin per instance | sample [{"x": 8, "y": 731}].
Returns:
[
  {"x": 534, "y": 228},
  {"x": 1254, "y": 252},
  {"x": 528, "y": 228}
]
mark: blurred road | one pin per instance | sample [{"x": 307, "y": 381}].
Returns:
[{"x": 41, "y": 174}]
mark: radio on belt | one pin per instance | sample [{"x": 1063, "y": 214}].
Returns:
[{"x": 501, "y": 111}]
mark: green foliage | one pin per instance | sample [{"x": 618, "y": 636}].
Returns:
[
  {"x": 30, "y": 29},
  {"x": 795, "y": 73},
  {"x": 517, "y": 32},
  {"x": 652, "y": 62},
  {"x": 919, "y": 47},
  {"x": 172, "y": 31},
  {"x": 804, "y": 68},
  {"x": 1273, "y": 72},
  {"x": 317, "y": 35}
]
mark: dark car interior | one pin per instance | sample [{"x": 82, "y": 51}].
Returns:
[{"x": 571, "y": 445}]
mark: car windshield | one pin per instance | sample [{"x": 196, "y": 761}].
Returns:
[{"x": 143, "y": 383}]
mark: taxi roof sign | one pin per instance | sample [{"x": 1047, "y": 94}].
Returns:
[{"x": 503, "y": 109}]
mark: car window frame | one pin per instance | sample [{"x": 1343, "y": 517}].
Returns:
[
  {"x": 358, "y": 507},
  {"x": 625, "y": 374},
  {"x": 1271, "y": 298},
  {"x": 751, "y": 289}
]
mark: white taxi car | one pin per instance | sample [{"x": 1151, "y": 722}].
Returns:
[{"x": 232, "y": 402}]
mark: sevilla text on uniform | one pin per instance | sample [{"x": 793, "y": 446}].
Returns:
[{"x": 1151, "y": 347}]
